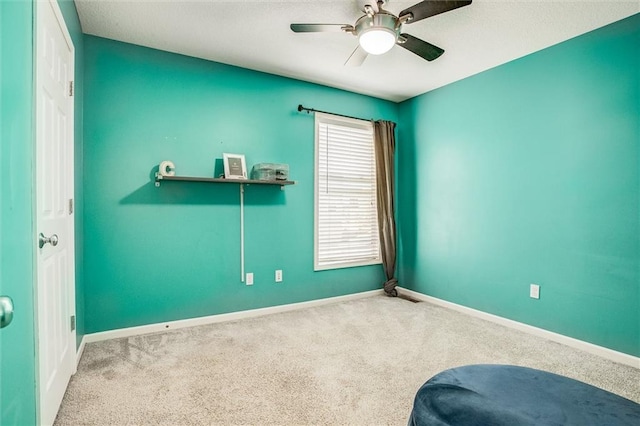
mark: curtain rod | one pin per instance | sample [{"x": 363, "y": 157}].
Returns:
[{"x": 301, "y": 108}]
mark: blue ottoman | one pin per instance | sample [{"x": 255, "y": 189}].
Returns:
[{"x": 497, "y": 395}]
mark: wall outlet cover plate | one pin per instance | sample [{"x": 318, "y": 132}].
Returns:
[{"x": 534, "y": 291}]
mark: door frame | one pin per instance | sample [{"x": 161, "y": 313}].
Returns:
[{"x": 70, "y": 161}]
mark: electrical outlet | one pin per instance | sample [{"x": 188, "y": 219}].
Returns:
[
  {"x": 249, "y": 279},
  {"x": 534, "y": 291},
  {"x": 278, "y": 275}
]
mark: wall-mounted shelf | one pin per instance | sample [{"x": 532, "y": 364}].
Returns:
[{"x": 280, "y": 183}]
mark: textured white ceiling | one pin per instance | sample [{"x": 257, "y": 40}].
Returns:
[{"x": 255, "y": 34}]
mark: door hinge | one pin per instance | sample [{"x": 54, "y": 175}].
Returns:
[
  {"x": 73, "y": 322},
  {"x": 71, "y": 88},
  {"x": 70, "y": 205}
]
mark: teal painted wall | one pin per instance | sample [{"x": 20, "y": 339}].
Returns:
[
  {"x": 72, "y": 22},
  {"x": 529, "y": 173},
  {"x": 160, "y": 254},
  {"x": 17, "y": 343}
]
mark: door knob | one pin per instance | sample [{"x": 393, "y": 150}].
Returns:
[
  {"x": 6, "y": 311},
  {"x": 42, "y": 240}
]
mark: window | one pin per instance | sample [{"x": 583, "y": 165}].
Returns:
[{"x": 346, "y": 218}]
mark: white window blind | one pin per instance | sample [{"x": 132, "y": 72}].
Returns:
[{"x": 346, "y": 221}]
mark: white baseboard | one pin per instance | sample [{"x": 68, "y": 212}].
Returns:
[
  {"x": 601, "y": 351},
  {"x": 233, "y": 316},
  {"x": 79, "y": 352}
]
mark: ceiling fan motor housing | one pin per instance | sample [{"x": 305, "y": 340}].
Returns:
[{"x": 381, "y": 22}]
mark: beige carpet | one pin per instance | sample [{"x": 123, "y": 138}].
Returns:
[{"x": 356, "y": 363}]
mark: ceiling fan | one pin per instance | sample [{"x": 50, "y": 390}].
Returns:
[{"x": 379, "y": 30}]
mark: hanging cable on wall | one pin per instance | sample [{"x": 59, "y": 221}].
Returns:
[{"x": 241, "y": 232}]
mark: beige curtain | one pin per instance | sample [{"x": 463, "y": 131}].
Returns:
[{"x": 385, "y": 143}]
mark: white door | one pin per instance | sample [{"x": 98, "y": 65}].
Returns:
[{"x": 54, "y": 215}]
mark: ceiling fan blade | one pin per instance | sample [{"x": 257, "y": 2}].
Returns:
[
  {"x": 321, "y": 28},
  {"x": 425, "y": 9},
  {"x": 420, "y": 47},
  {"x": 357, "y": 57}
]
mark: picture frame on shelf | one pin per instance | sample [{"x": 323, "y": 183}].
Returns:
[{"x": 235, "y": 166}]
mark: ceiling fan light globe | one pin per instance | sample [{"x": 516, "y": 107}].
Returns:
[{"x": 377, "y": 41}]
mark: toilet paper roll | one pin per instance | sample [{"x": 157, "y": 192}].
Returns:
[{"x": 167, "y": 168}]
